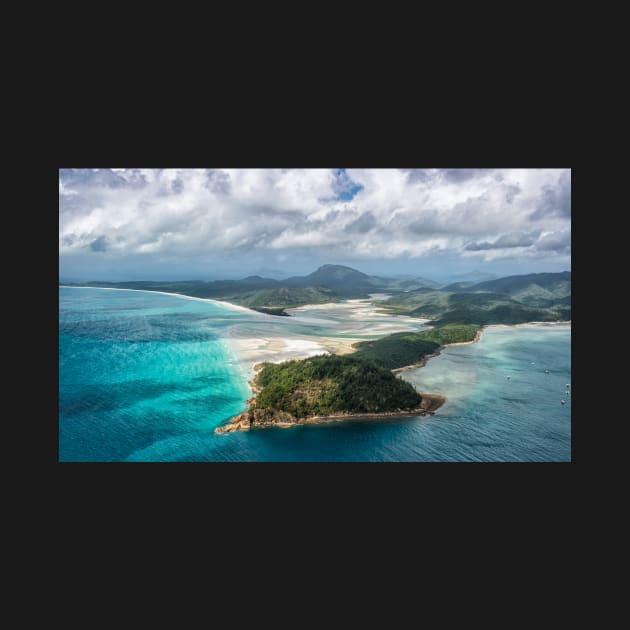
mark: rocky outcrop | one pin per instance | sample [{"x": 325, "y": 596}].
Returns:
[{"x": 260, "y": 418}]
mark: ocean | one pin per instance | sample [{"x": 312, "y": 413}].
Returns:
[{"x": 147, "y": 377}]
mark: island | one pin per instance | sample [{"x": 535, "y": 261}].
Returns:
[{"x": 328, "y": 388}]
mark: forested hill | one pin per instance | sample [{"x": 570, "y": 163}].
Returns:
[
  {"x": 324, "y": 385},
  {"x": 329, "y": 283},
  {"x": 555, "y": 285},
  {"x": 512, "y": 300}
]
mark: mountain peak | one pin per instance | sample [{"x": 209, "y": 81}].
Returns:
[
  {"x": 329, "y": 267},
  {"x": 336, "y": 272}
]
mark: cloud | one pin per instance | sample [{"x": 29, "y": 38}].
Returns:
[
  {"x": 64, "y": 191},
  {"x": 555, "y": 241},
  {"x": 354, "y": 214},
  {"x": 554, "y": 201},
  {"x": 458, "y": 175},
  {"x": 362, "y": 224},
  {"x": 99, "y": 244},
  {"x": 503, "y": 242}
]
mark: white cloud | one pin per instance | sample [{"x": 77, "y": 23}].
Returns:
[
  {"x": 396, "y": 213},
  {"x": 65, "y": 191}
]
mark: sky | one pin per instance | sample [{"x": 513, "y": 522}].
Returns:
[{"x": 153, "y": 224}]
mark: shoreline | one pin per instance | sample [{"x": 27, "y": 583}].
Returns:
[
  {"x": 241, "y": 422},
  {"x": 230, "y": 305},
  {"x": 277, "y": 349},
  {"x": 426, "y": 357},
  {"x": 535, "y": 324}
]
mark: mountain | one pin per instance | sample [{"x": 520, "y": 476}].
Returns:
[
  {"x": 513, "y": 299},
  {"x": 457, "y": 286},
  {"x": 350, "y": 283},
  {"x": 472, "y": 277},
  {"x": 512, "y": 284},
  {"x": 409, "y": 284},
  {"x": 273, "y": 301},
  {"x": 332, "y": 282},
  {"x": 344, "y": 281},
  {"x": 534, "y": 289},
  {"x": 510, "y": 300}
]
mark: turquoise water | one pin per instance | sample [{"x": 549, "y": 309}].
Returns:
[{"x": 148, "y": 377}]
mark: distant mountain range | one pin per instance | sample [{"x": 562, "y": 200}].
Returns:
[
  {"x": 509, "y": 300},
  {"x": 328, "y": 283},
  {"x": 520, "y": 295},
  {"x": 472, "y": 277}
]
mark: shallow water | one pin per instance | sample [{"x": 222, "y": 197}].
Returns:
[{"x": 148, "y": 377}]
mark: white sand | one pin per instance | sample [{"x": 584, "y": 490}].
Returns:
[
  {"x": 529, "y": 325},
  {"x": 253, "y": 350},
  {"x": 234, "y": 307},
  {"x": 363, "y": 323}
]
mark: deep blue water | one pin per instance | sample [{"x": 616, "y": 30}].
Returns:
[{"x": 148, "y": 377}]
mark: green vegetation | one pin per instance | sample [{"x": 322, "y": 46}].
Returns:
[
  {"x": 418, "y": 303},
  {"x": 326, "y": 284},
  {"x": 284, "y": 297},
  {"x": 513, "y": 300},
  {"x": 407, "y": 348},
  {"x": 554, "y": 284},
  {"x": 331, "y": 384}
]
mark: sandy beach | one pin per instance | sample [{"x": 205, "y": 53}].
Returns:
[
  {"x": 234, "y": 307},
  {"x": 349, "y": 322},
  {"x": 529, "y": 325},
  {"x": 254, "y": 350}
]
